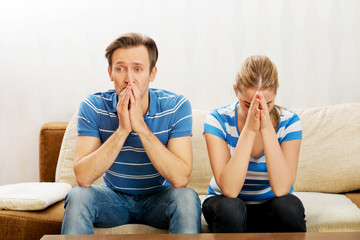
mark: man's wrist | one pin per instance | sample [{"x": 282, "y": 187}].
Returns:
[
  {"x": 143, "y": 130},
  {"x": 122, "y": 133}
]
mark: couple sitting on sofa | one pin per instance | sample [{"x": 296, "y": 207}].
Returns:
[{"x": 139, "y": 139}]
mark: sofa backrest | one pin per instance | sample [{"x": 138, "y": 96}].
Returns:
[
  {"x": 329, "y": 158},
  {"x": 330, "y": 150}
]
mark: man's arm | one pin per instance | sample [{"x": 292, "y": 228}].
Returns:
[
  {"x": 174, "y": 163},
  {"x": 93, "y": 159}
]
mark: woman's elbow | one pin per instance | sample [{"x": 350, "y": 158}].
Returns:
[
  {"x": 281, "y": 192},
  {"x": 229, "y": 194}
]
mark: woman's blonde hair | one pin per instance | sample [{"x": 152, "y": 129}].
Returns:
[{"x": 260, "y": 72}]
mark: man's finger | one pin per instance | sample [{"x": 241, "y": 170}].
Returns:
[
  {"x": 131, "y": 97},
  {"x": 135, "y": 91}
]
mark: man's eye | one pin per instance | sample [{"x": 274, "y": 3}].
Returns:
[
  {"x": 120, "y": 69},
  {"x": 138, "y": 69},
  {"x": 247, "y": 106}
]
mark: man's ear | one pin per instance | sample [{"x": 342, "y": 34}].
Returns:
[
  {"x": 153, "y": 74},
  {"x": 236, "y": 90},
  {"x": 110, "y": 75}
]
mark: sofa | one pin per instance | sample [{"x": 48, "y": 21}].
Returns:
[{"x": 328, "y": 175}]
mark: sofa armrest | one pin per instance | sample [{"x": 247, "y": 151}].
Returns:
[
  {"x": 51, "y": 135},
  {"x": 354, "y": 197}
]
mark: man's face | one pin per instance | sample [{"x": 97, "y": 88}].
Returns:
[{"x": 131, "y": 65}]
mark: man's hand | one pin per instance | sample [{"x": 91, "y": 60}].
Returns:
[
  {"x": 135, "y": 110},
  {"x": 122, "y": 109},
  {"x": 253, "y": 117},
  {"x": 265, "y": 121}
]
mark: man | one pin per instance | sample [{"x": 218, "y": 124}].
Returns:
[{"x": 138, "y": 138}]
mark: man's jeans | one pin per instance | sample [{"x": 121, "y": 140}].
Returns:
[{"x": 177, "y": 209}]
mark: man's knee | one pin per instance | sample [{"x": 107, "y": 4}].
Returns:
[
  {"x": 184, "y": 211},
  {"x": 187, "y": 200},
  {"x": 79, "y": 196}
]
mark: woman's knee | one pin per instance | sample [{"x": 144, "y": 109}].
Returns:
[
  {"x": 233, "y": 208},
  {"x": 290, "y": 203},
  {"x": 225, "y": 214},
  {"x": 289, "y": 211}
]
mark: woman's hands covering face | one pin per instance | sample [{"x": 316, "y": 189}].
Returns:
[{"x": 258, "y": 117}]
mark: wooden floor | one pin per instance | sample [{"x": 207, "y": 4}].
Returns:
[{"x": 212, "y": 236}]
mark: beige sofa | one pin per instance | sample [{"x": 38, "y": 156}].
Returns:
[{"x": 328, "y": 178}]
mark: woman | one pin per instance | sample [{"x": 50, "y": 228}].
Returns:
[{"x": 253, "y": 147}]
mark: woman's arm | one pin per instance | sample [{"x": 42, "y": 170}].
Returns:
[
  {"x": 230, "y": 171},
  {"x": 281, "y": 161}
]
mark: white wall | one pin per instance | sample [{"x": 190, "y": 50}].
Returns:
[{"x": 52, "y": 55}]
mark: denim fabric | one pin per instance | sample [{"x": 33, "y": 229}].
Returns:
[
  {"x": 279, "y": 214},
  {"x": 178, "y": 209}
]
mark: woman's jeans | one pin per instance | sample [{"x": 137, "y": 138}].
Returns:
[
  {"x": 279, "y": 214},
  {"x": 178, "y": 209}
]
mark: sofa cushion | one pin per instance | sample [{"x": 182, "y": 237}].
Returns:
[
  {"x": 329, "y": 158},
  {"x": 32, "y": 196},
  {"x": 201, "y": 172},
  {"x": 329, "y": 212}
]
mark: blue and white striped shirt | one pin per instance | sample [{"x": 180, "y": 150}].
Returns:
[
  {"x": 169, "y": 116},
  {"x": 222, "y": 122}
]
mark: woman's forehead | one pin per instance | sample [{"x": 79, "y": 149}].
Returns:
[{"x": 248, "y": 93}]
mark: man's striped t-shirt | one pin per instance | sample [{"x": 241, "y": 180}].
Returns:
[
  {"x": 169, "y": 116},
  {"x": 222, "y": 122}
]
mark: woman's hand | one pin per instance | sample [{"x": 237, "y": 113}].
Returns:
[
  {"x": 253, "y": 117},
  {"x": 265, "y": 120}
]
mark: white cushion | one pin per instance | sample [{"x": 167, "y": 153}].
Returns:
[
  {"x": 329, "y": 212},
  {"x": 329, "y": 158},
  {"x": 32, "y": 196}
]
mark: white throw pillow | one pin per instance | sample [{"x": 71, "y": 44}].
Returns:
[{"x": 32, "y": 195}]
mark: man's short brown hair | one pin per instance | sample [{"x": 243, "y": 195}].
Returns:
[{"x": 133, "y": 40}]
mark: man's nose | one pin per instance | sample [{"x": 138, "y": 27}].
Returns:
[{"x": 129, "y": 76}]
